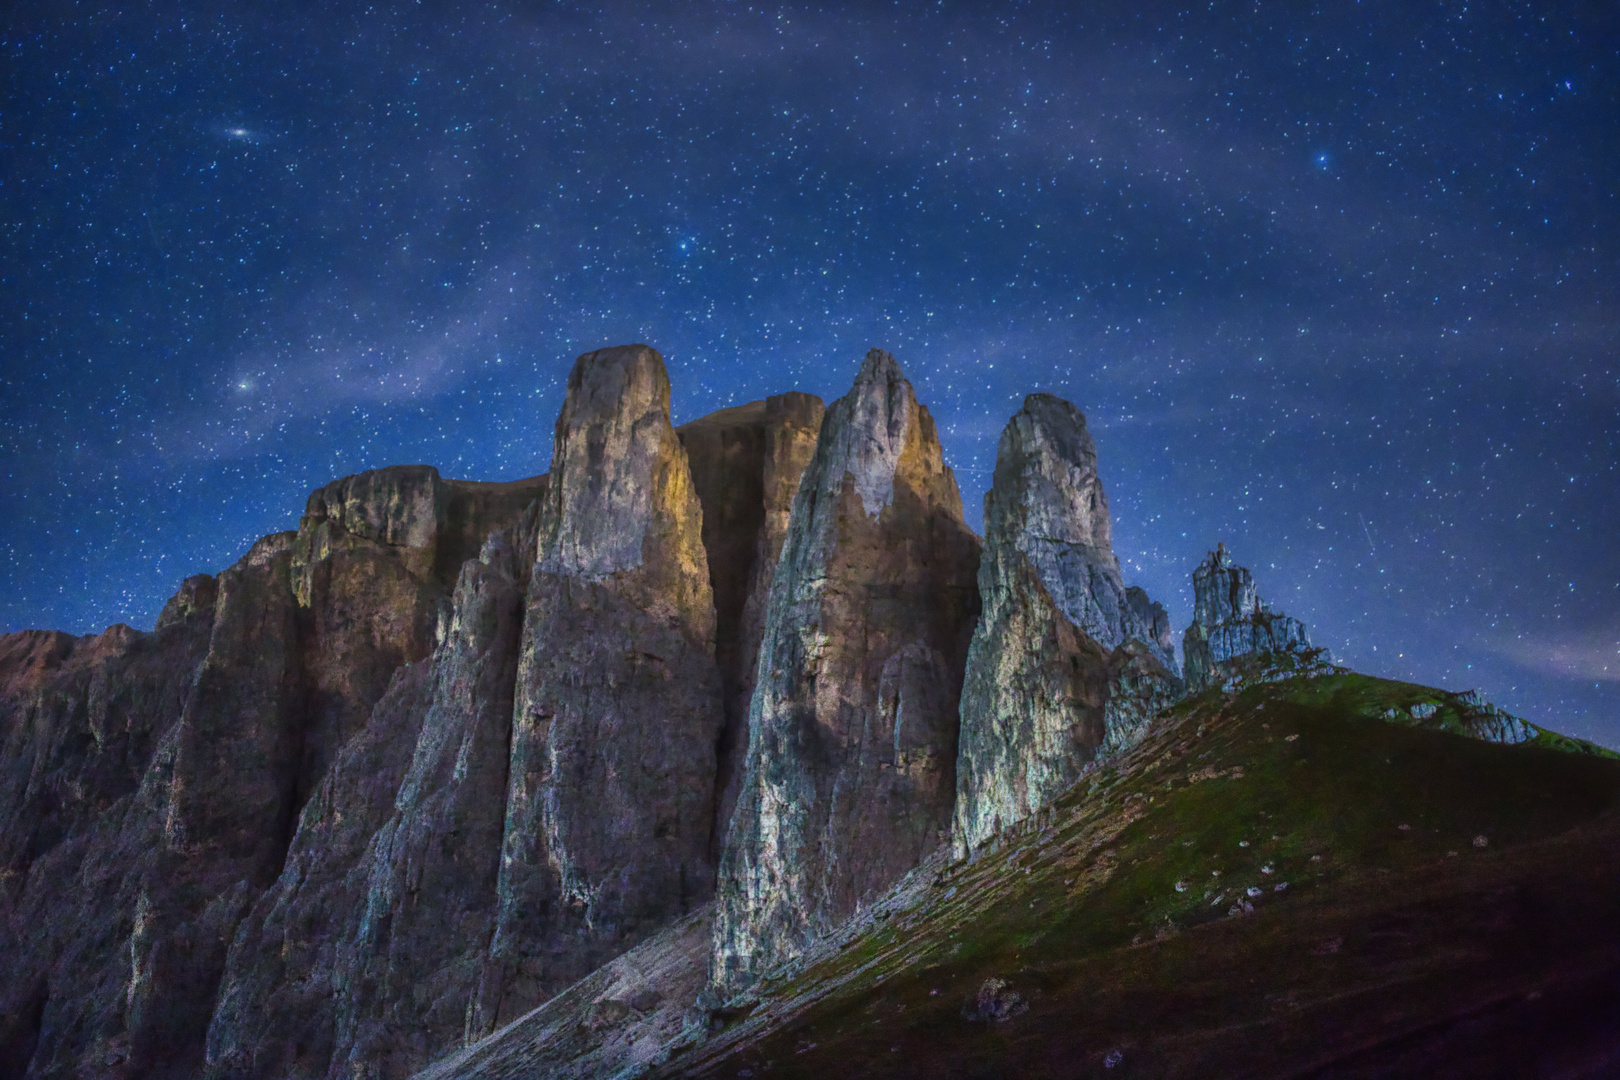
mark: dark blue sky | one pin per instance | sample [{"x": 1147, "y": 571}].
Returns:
[{"x": 1336, "y": 287}]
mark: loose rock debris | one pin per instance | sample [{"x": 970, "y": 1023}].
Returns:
[{"x": 994, "y": 1003}]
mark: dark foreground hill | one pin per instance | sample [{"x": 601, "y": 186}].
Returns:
[{"x": 1277, "y": 883}]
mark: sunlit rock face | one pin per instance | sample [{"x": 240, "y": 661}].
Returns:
[
  {"x": 610, "y": 788},
  {"x": 1065, "y": 661},
  {"x": 1231, "y": 622},
  {"x": 849, "y": 776}
]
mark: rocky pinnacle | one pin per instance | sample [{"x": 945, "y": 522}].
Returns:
[
  {"x": 610, "y": 788},
  {"x": 849, "y": 775},
  {"x": 1230, "y": 621},
  {"x": 1060, "y": 638}
]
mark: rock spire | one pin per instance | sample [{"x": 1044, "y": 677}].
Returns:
[
  {"x": 610, "y": 789},
  {"x": 1065, "y": 661},
  {"x": 849, "y": 775},
  {"x": 1231, "y": 622}
]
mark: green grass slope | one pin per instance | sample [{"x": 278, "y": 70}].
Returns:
[{"x": 1316, "y": 877}]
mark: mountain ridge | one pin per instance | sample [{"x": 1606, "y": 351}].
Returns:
[{"x": 666, "y": 721}]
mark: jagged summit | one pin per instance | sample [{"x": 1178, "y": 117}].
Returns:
[
  {"x": 852, "y": 727},
  {"x": 616, "y": 743},
  {"x": 870, "y": 433},
  {"x": 879, "y": 366},
  {"x": 1048, "y": 499},
  {"x": 609, "y": 435},
  {"x": 1064, "y": 661},
  {"x": 1230, "y": 622}
]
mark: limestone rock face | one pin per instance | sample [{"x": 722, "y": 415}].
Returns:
[
  {"x": 852, "y": 727},
  {"x": 374, "y": 562},
  {"x": 746, "y": 464},
  {"x": 1066, "y": 663},
  {"x": 274, "y": 1014},
  {"x": 1032, "y": 702},
  {"x": 1231, "y": 622},
  {"x": 610, "y": 790},
  {"x": 387, "y": 896},
  {"x": 158, "y": 803},
  {"x": 197, "y": 595},
  {"x": 410, "y": 975},
  {"x": 1056, "y": 515},
  {"x": 83, "y": 720}
]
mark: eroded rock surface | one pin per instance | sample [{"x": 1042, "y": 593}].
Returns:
[
  {"x": 746, "y": 464},
  {"x": 376, "y": 557},
  {"x": 158, "y": 803},
  {"x": 1231, "y": 622},
  {"x": 387, "y": 897},
  {"x": 610, "y": 791},
  {"x": 410, "y": 975},
  {"x": 1054, "y": 512},
  {"x": 275, "y": 1012},
  {"x": 1065, "y": 661},
  {"x": 852, "y": 726},
  {"x": 616, "y": 1022}
]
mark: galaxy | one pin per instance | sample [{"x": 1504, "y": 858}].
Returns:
[{"x": 1334, "y": 286}]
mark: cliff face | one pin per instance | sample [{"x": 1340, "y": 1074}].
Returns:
[
  {"x": 373, "y": 565},
  {"x": 1065, "y": 661},
  {"x": 1230, "y": 622},
  {"x": 448, "y": 748},
  {"x": 852, "y": 728},
  {"x": 610, "y": 791},
  {"x": 386, "y": 899},
  {"x": 153, "y": 781},
  {"x": 746, "y": 464}
]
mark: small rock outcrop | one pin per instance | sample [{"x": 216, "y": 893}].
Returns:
[
  {"x": 610, "y": 790},
  {"x": 1065, "y": 661},
  {"x": 849, "y": 774},
  {"x": 1231, "y": 623}
]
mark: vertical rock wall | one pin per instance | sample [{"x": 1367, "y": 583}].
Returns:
[
  {"x": 746, "y": 464},
  {"x": 852, "y": 728},
  {"x": 410, "y": 975},
  {"x": 610, "y": 791},
  {"x": 84, "y": 719},
  {"x": 1065, "y": 661},
  {"x": 318, "y": 972}
]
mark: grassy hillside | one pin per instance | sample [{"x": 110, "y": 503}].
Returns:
[{"x": 1314, "y": 877}]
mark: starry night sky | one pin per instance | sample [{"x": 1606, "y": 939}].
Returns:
[{"x": 1335, "y": 287}]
